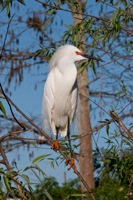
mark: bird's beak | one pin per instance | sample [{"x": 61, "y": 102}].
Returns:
[{"x": 90, "y": 57}]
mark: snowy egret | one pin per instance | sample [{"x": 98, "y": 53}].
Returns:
[{"x": 60, "y": 91}]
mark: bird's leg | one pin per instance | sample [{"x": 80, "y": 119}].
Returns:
[
  {"x": 69, "y": 140},
  {"x": 55, "y": 144},
  {"x": 70, "y": 160}
]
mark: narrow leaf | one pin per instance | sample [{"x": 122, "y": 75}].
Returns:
[
  {"x": 22, "y": 2},
  {"x": 37, "y": 159},
  {"x": 107, "y": 128},
  {"x": 25, "y": 177},
  {"x": 7, "y": 183},
  {"x": 35, "y": 167},
  {"x": 2, "y": 108},
  {"x": 48, "y": 195}
]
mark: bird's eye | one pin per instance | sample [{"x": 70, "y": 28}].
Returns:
[{"x": 78, "y": 53}]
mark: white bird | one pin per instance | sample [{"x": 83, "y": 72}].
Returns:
[{"x": 61, "y": 91}]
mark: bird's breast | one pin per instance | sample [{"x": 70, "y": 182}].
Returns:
[
  {"x": 68, "y": 75},
  {"x": 63, "y": 84}
]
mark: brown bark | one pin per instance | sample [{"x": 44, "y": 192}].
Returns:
[{"x": 85, "y": 158}]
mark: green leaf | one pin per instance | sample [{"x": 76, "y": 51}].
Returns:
[
  {"x": 2, "y": 108},
  {"x": 22, "y": 2},
  {"x": 47, "y": 22},
  {"x": 107, "y": 128},
  {"x": 75, "y": 195},
  {"x": 40, "y": 170},
  {"x": 36, "y": 175},
  {"x": 101, "y": 38},
  {"x": 7, "y": 183},
  {"x": 25, "y": 177},
  {"x": 7, "y": 3},
  {"x": 35, "y": 167},
  {"x": 93, "y": 67},
  {"x": 48, "y": 195},
  {"x": 39, "y": 158},
  {"x": 40, "y": 52},
  {"x": 1, "y": 169}
]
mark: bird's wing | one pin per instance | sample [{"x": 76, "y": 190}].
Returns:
[
  {"x": 72, "y": 108},
  {"x": 74, "y": 99},
  {"x": 48, "y": 101}
]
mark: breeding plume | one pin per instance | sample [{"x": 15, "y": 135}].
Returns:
[{"x": 60, "y": 91}]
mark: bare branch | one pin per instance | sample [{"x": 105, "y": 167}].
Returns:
[
  {"x": 117, "y": 119},
  {"x": 6, "y": 36},
  {"x": 11, "y": 108}
]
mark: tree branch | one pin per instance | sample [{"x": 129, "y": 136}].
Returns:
[
  {"x": 5, "y": 37},
  {"x": 117, "y": 119},
  {"x": 11, "y": 108},
  {"x": 9, "y": 168}
]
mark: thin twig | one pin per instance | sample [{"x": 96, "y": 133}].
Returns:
[
  {"x": 2, "y": 162},
  {"x": 11, "y": 108},
  {"x": 6, "y": 36},
  {"x": 117, "y": 119},
  {"x": 5, "y": 158}
]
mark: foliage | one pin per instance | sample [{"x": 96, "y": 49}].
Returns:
[
  {"x": 119, "y": 165},
  {"x": 111, "y": 189},
  {"x": 2, "y": 108},
  {"x": 50, "y": 189},
  {"x": 7, "y": 4},
  {"x": 114, "y": 172},
  {"x": 58, "y": 192}
]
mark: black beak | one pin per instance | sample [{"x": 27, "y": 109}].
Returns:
[{"x": 90, "y": 57}]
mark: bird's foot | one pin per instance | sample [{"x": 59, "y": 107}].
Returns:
[
  {"x": 72, "y": 164},
  {"x": 55, "y": 145}
]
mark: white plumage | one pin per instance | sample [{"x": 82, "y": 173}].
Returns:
[{"x": 60, "y": 91}]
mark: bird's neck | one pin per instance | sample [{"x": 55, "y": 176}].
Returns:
[{"x": 67, "y": 68}]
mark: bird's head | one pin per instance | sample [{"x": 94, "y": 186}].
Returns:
[{"x": 69, "y": 53}]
